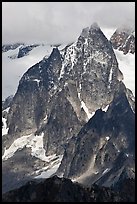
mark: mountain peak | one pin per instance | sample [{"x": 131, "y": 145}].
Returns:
[
  {"x": 55, "y": 52},
  {"x": 85, "y": 32},
  {"x": 94, "y": 26},
  {"x": 123, "y": 39}
]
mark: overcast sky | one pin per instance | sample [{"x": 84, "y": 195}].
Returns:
[{"x": 58, "y": 22}]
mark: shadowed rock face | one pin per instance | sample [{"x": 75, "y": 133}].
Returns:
[
  {"x": 63, "y": 190},
  {"x": 124, "y": 40},
  {"x": 105, "y": 147}
]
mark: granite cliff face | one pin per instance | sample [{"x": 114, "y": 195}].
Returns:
[{"x": 58, "y": 110}]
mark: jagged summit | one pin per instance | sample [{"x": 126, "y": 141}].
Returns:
[
  {"x": 123, "y": 39},
  {"x": 85, "y": 32},
  {"x": 93, "y": 27}
]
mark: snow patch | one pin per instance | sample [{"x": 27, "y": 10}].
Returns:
[
  {"x": 105, "y": 171},
  {"x": 83, "y": 105},
  {"x": 61, "y": 72},
  {"x": 80, "y": 86},
  {"x": 16, "y": 145},
  {"x": 50, "y": 169},
  {"x": 106, "y": 108},
  {"x": 127, "y": 155},
  {"x": 127, "y": 67},
  {"x": 29, "y": 141},
  {"x": 6, "y": 110},
  {"x": 89, "y": 115},
  {"x": 37, "y": 80},
  {"x": 45, "y": 119},
  {"x": 107, "y": 138},
  {"x": 108, "y": 32},
  {"x": 96, "y": 172},
  {"x": 79, "y": 94},
  {"x": 36, "y": 145},
  {"x": 4, "y": 127},
  {"x": 62, "y": 46},
  {"x": 110, "y": 75}
]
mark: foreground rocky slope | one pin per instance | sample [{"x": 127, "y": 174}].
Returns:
[{"x": 63, "y": 190}]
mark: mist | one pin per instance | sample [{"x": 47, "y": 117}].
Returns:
[{"x": 60, "y": 22}]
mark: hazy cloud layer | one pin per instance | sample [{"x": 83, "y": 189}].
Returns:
[{"x": 54, "y": 22}]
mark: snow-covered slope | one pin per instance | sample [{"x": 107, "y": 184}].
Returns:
[
  {"x": 127, "y": 67},
  {"x": 13, "y": 68},
  {"x": 35, "y": 143},
  {"x": 108, "y": 32},
  {"x": 126, "y": 61},
  {"x": 4, "y": 123}
]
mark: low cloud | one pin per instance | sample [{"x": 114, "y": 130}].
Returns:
[{"x": 58, "y": 22}]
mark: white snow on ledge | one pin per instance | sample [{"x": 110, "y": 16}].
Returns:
[
  {"x": 29, "y": 141},
  {"x": 127, "y": 155},
  {"x": 106, "y": 108},
  {"x": 47, "y": 171},
  {"x": 110, "y": 75},
  {"x": 106, "y": 170},
  {"x": 17, "y": 144},
  {"x": 7, "y": 109},
  {"x": 4, "y": 127},
  {"x": 37, "y": 80},
  {"x": 107, "y": 138},
  {"x": 4, "y": 120},
  {"x": 83, "y": 105},
  {"x": 89, "y": 115}
]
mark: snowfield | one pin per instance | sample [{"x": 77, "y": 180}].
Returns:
[
  {"x": 49, "y": 170},
  {"x": 126, "y": 63},
  {"x": 13, "y": 69},
  {"x": 34, "y": 142},
  {"x": 127, "y": 67}
]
